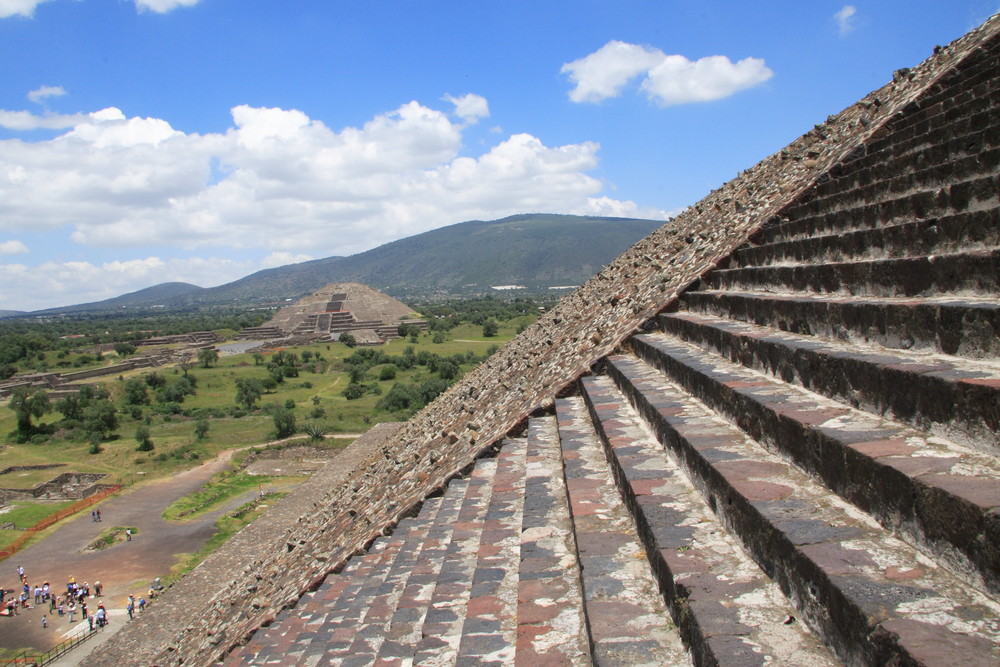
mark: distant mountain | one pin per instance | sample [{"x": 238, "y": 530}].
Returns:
[
  {"x": 537, "y": 251},
  {"x": 158, "y": 295}
]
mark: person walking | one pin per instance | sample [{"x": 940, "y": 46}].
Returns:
[{"x": 45, "y": 622}]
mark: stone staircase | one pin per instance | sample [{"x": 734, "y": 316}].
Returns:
[{"x": 795, "y": 463}]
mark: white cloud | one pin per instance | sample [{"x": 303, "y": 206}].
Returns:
[
  {"x": 13, "y": 248},
  {"x": 18, "y": 7},
  {"x": 669, "y": 79},
  {"x": 845, "y": 19},
  {"x": 163, "y": 6},
  {"x": 40, "y": 94},
  {"x": 470, "y": 107},
  {"x": 25, "y": 120},
  {"x": 277, "y": 183},
  {"x": 677, "y": 80},
  {"x": 53, "y": 284},
  {"x": 283, "y": 259},
  {"x": 606, "y": 71}
]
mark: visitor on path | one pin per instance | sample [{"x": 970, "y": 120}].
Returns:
[
  {"x": 97, "y": 589},
  {"x": 93, "y": 515},
  {"x": 45, "y": 622},
  {"x": 98, "y": 515},
  {"x": 90, "y": 622},
  {"x": 72, "y": 610},
  {"x": 142, "y": 604},
  {"x": 128, "y": 534}
]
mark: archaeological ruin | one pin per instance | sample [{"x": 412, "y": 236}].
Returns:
[{"x": 766, "y": 434}]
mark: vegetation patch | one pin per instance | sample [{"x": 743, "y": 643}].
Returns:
[
  {"x": 110, "y": 537},
  {"x": 222, "y": 488},
  {"x": 225, "y": 527}
]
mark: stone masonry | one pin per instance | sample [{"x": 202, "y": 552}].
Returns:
[{"x": 803, "y": 446}]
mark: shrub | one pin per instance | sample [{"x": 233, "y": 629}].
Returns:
[{"x": 387, "y": 373}]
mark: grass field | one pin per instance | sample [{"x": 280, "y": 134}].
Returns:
[{"x": 315, "y": 397}]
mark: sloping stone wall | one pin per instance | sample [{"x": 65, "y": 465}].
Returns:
[{"x": 203, "y": 616}]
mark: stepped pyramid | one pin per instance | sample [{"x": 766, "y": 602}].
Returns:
[
  {"x": 766, "y": 434},
  {"x": 335, "y": 309}
]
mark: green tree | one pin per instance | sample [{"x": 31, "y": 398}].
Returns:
[
  {"x": 248, "y": 392},
  {"x": 143, "y": 438},
  {"x": 347, "y": 339},
  {"x": 258, "y": 359},
  {"x": 387, "y": 373},
  {"x": 207, "y": 356},
  {"x": 125, "y": 349},
  {"x": 490, "y": 328},
  {"x": 135, "y": 392},
  {"x": 100, "y": 418},
  {"x": 27, "y": 403},
  {"x": 284, "y": 422},
  {"x": 447, "y": 370},
  {"x": 353, "y": 391},
  {"x": 201, "y": 428}
]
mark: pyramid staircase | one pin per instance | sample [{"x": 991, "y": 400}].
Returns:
[{"x": 796, "y": 463}]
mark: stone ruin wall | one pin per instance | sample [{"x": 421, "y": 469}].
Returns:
[{"x": 268, "y": 566}]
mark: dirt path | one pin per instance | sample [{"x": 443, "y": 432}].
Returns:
[{"x": 124, "y": 568}]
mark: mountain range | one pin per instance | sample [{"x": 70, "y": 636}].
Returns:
[{"x": 535, "y": 251}]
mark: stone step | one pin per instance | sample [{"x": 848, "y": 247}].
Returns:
[
  {"x": 948, "y": 396},
  {"x": 936, "y": 493},
  {"x": 628, "y": 621},
  {"x": 913, "y": 180},
  {"x": 402, "y": 632},
  {"x": 332, "y": 634},
  {"x": 726, "y": 609},
  {"x": 489, "y": 631},
  {"x": 974, "y": 273},
  {"x": 966, "y": 327},
  {"x": 551, "y": 624},
  {"x": 422, "y": 549},
  {"x": 447, "y": 634},
  {"x": 961, "y": 232},
  {"x": 439, "y": 630},
  {"x": 810, "y": 219},
  {"x": 868, "y": 594}
]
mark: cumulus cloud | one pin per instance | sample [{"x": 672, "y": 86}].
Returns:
[
  {"x": 53, "y": 284},
  {"x": 845, "y": 19},
  {"x": 40, "y": 94},
  {"x": 163, "y": 6},
  {"x": 25, "y": 120},
  {"x": 277, "y": 183},
  {"x": 668, "y": 79},
  {"x": 13, "y": 248},
  {"x": 18, "y": 7},
  {"x": 470, "y": 108}
]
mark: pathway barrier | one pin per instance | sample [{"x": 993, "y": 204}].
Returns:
[
  {"x": 58, "y": 516},
  {"x": 34, "y": 658}
]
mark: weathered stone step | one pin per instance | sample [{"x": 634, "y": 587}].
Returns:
[
  {"x": 865, "y": 592},
  {"x": 726, "y": 609},
  {"x": 962, "y": 232},
  {"x": 966, "y": 327},
  {"x": 424, "y": 546},
  {"x": 974, "y": 273},
  {"x": 403, "y": 629},
  {"x": 439, "y": 629},
  {"x": 907, "y": 189},
  {"x": 807, "y": 220},
  {"x": 489, "y": 631},
  {"x": 939, "y": 495},
  {"x": 551, "y": 625},
  {"x": 948, "y": 396},
  {"x": 485, "y": 539},
  {"x": 628, "y": 620}
]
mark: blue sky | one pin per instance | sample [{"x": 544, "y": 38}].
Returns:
[{"x": 147, "y": 141}]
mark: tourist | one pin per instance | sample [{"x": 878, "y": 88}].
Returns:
[
  {"x": 97, "y": 589},
  {"x": 72, "y": 610},
  {"x": 142, "y": 603},
  {"x": 38, "y": 594},
  {"x": 128, "y": 534},
  {"x": 45, "y": 592},
  {"x": 102, "y": 616},
  {"x": 98, "y": 515},
  {"x": 90, "y": 622},
  {"x": 45, "y": 622}
]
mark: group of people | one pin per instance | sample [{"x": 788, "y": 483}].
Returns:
[{"x": 74, "y": 601}]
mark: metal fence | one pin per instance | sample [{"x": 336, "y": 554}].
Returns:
[
  {"x": 58, "y": 516},
  {"x": 33, "y": 657}
]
